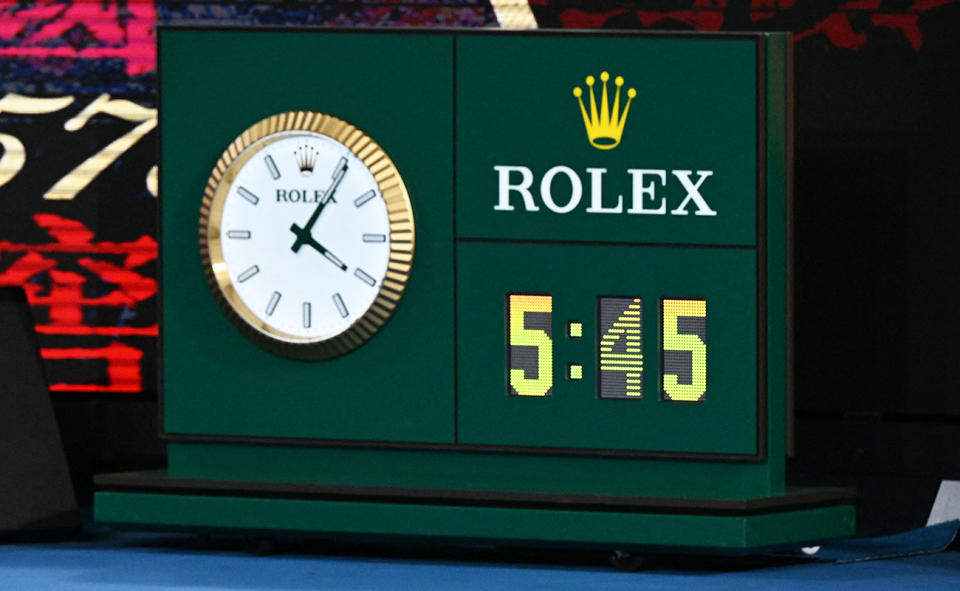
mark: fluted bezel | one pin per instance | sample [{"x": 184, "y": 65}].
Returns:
[{"x": 399, "y": 210}]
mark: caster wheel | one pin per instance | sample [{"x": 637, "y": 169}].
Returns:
[
  {"x": 626, "y": 562},
  {"x": 262, "y": 547}
]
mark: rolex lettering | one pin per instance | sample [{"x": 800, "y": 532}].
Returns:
[
  {"x": 652, "y": 189},
  {"x": 299, "y": 196},
  {"x": 560, "y": 189}
]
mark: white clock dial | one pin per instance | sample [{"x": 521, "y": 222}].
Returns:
[
  {"x": 315, "y": 281},
  {"x": 299, "y": 241}
]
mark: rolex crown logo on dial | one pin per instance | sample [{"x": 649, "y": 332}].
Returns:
[
  {"x": 306, "y": 157},
  {"x": 306, "y": 235}
]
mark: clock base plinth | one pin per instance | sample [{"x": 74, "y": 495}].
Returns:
[{"x": 152, "y": 500}]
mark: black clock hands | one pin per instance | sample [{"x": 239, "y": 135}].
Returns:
[{"x": 304, "y": 235}]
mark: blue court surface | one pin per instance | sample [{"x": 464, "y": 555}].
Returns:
[{"x": 135, "y": 561}]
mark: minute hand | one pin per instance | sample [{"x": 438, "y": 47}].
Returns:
[
  {"x": 326, "y": 253},
  {"x": 303, "y": 234}
]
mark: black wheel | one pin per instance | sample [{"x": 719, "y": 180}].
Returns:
[
  {"x": 626, "y": 562},
  {"x": 262, "y": 547}
]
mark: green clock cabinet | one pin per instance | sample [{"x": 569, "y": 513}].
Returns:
[{"x": 593, "y": 344}]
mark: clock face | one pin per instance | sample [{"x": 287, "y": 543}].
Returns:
[{"x": 297, "y": 241}]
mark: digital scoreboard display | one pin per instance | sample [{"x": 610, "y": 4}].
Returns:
[
  {"x": 590, "y": 296},
  {"x": 619, "y": 338}
]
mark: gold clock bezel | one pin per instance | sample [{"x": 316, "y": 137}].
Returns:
[{"x": 400, "y": 212}]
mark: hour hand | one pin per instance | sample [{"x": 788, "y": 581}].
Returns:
[{"x": 304, "y": 236}]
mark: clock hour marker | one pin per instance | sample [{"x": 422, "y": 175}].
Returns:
[
  {"x": 306, "y": 314},
  {"x": 364, "y": 198},
  {"x": 272, "y": 166},
  {"x": 340, "y": 305},
  {"x": 362, "y": 276},
  {"x": 374, "y": 238},
  {"x": 272, "y": 304},
  {"x": 248, "y": 274},
  {"x": 248, "y": 195},
  {"x": 238, "y": 234}
]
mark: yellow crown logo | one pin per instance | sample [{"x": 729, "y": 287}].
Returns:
[{"x": 604, "y": 128}]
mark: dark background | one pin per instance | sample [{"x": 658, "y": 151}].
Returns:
[{"x": 876, "y": 157}]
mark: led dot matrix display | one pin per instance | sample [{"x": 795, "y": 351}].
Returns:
[
  {"x": 620, "y": 334},
  {"x": 620, "y": 340},
  {"x": 684, "y": 349},
  {"x": 530, "y": 348}
]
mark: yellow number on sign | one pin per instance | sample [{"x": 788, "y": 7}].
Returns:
[
  {"x": 621, "y": 348},
  {"x": 78, "y": 178},
  {"x": 530, "y": 352},
  {"x": 684, "y": 351},
  {"x": 14, "y": 154}
]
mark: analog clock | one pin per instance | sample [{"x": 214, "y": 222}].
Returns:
[{"x": 306, "y": 235}]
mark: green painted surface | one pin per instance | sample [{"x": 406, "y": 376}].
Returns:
[
  {"x": 695, "y": 110},
  {"x": 215, "y": 381},
  {"x": 813, "y": 524},
  {"x": 615, "y": 530},
  {"x": 556, "y": 473},
  {"x": 573, "y": 416},
  {"x": 778, "y": 47}
]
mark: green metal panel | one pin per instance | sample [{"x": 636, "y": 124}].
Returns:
[
  {"x": 215, "y": 381},
  {"x": 611, "y": 530},
  {"x": 695, "y": 109},
  {"x": 473, "y": 470},
  {"x": 778, "y": 184},
  {"x": 450, "y": 107},
  {"x": 686, "y": 120},
  {"x": 725, "y": 422}
]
